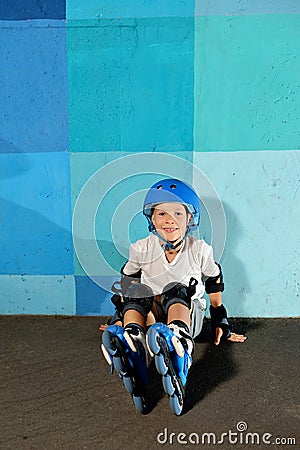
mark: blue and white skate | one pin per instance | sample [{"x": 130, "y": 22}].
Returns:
[
  {"x": 125, "y": 350},
  {"x": 172, "y": 349}
]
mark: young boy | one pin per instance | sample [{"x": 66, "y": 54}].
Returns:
[{"x": 161, "y": 291}]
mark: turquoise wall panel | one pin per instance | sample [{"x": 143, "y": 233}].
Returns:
[
  {"x": 131, "y": 84},
  {"x": 35, "y": 225},
  {"x": 260, "y": 192},
  {"x": 93, "y": 9},
  {"x": 37, "y": 295},
  {"x": 247, "y": 93},
  {"x": 111, "y": 188}
]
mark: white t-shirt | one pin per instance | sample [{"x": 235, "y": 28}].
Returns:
[{"x": 194, "y": 259}]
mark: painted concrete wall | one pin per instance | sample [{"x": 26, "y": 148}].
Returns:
[
  {"x": 183, "y": 86},
  {"x": 247, "y": 137}
]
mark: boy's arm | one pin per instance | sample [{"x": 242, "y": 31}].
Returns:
[
  {"x": 214, "y": 286},
  {"x": 216, "y": 301}
]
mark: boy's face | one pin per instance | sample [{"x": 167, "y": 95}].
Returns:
[{"x": 170, "y": 220}]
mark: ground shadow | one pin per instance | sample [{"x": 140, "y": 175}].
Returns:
[
  {"x": 216, "y": 366},
  {"x": 154, "y": 389}
]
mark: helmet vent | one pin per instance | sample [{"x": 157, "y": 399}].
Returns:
[
  {"x": 173, "y": 186},
  {"x": 159, "y": 186}
]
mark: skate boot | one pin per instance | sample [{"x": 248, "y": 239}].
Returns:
[
  {"x": 172, "y": 347},
  {"x": 125, "y": 351}
]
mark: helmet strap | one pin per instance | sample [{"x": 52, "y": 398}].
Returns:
[{"x": 167, "y": 244}]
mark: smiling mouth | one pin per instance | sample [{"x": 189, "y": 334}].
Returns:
[{"x": 170, "y": 230}]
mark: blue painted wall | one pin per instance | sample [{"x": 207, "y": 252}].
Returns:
[{"x": 185, "y": 86}]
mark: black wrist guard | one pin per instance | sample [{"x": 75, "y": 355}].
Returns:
[{"x": 218, "y": 316}]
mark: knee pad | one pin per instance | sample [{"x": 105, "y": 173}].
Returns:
[
  {"x": 175, "y": 293},
  {"x": 215, "y": 284},
  {"x": 138, "y": 297}
]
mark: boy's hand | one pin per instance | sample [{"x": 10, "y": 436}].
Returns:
[
  {"x": 232, "y": 338},
  {"x": 103, "y": 327}
]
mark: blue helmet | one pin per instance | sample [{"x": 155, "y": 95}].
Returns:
[{"x": 172, "y": 190}]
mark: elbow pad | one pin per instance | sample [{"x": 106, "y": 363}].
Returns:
[
  {"x": 215, "y": 284},
  {"x": 128, "y": 280},
  {"x": 120, "y": 288}
]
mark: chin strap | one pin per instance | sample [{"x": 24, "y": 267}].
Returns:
[{"x": 167, "y": 244}]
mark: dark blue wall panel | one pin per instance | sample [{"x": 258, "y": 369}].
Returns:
[
  {"x": 91, "y": 299},
  {"x": 32, "y": 9}
]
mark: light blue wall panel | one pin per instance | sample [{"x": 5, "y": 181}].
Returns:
[
  {"x": 37, "y": 295},
  {"x": 93, "y": 9},
  {"x": 260, "y": 192},
  {"x": 131, "y": 84},
  {"x": 245, "y": 7},
  {"x": 247, "y": 93},
  {"x": 35, "y": 226},
  {"x": 33, "y": 94}
]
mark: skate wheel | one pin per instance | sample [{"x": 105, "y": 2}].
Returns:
[
  {"x": 128, "y": 384},
  {"x": 168, "y": 385},
  {"x": 139, "y": 404},
  {"x": 152, "y": 342},
  {"x": 176, "y": 407},
  {"x": 160, "y": 364},
  {"x": 119, "y": 366}
]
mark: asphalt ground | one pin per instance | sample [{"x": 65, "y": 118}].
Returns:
[{"x": 57, "y": 393}]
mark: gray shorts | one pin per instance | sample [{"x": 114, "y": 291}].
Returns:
[{"x": 197, "y": 316}]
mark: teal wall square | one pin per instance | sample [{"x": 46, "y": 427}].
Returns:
[
  {"x": 131, "y": 84},
  {"x": 108, "y": 190},
  {"x": 247, "y": 93},
  {"x": 76, "y": 9}
]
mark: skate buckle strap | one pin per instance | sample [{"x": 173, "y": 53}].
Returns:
[{"x": 192, "y": 287}]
